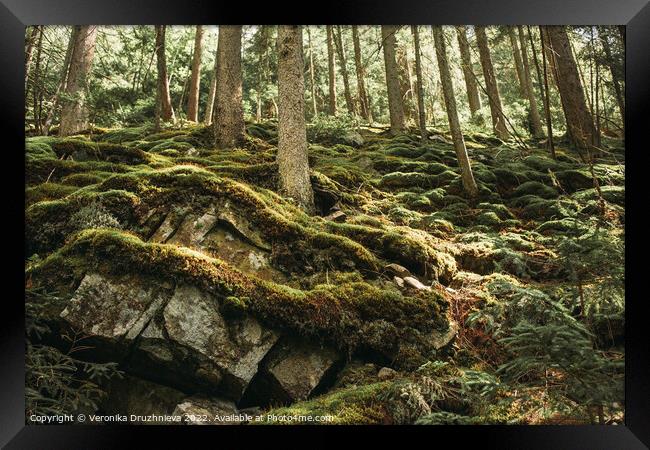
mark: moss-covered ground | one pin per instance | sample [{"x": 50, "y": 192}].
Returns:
[{"x": 94, "y": 201}]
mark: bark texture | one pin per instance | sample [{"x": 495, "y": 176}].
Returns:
[
  {"x": 164, "y": 101},
  {"x": 331, "y": 70},
  {"x": 209, "y": 107},
  {"x": 395, "y": 106},
  {"x": 292, "y": 133},
  {"x": 364, "y": 100},
  {"x": 229, "y": 126},
  {"x": 469, "y": 184},
  {"x": 580, "y": 124},
  {"x": 527, "y": 84},
  {"x": 473, "y": 97},
  {"x": 340, "y": 51},
  {"x": 496, "y": 110},
  {"x": 74, "y": 113},
  {"x": 195, "y": 79},
  {"x": 422, "y": 120}
]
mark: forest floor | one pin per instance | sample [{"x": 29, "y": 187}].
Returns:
[{"x": 421, "y": 292}]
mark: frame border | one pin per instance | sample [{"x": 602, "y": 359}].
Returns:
[{"x": 635, "y": 14}]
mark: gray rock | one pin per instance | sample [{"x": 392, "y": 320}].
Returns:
[
  {"x": 336, "y": 216},
  {"x": 114, "y": 307},
  {"x": 207, "y": 411},
  {"x": 440, "y": 340},
  {"x": 132, "y": 395},
  {"x": 398, "y": 281},
  {"x": 353, "y": 138},
  {"x": 386, "y": 373},
  {"x": 165, "y": 229},
  {"x": 192, "y": 319},
  {"x": 192, "y": 230},
  {"x": 396, "y": 269},
  {"x": 415, "y": 283},
  {"x": 299, "y": 367}
]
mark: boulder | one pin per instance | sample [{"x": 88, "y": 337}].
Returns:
[
  {"x": 165, "y": 230},
  {"x": 208, "y": 411},
  {"x": 336, "y": 216},
  {"x": 441, "y": 339},
  {"x": 192, "y": 230},
  {"x": 114, "y": 308},
  {"x": 132, "y": 395},
  {"x": 293, "y": 370},
  {"x": 415, "y": 283},
  {"x": 192, "y": 319},
  {"x": 386, "y": 373},
  {"x": 396, "y": 269}
]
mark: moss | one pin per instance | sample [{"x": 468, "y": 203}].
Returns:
[
  {"x": 543, "y": 163},
  {"x": 566, "y": 226},
  {"x": 47, "y": 191},
  {"x": 489, "y": 219},
  {"x": 120, "y": 135},
  {"x": 535, "y": 188},
  {"x": 395, "y": 245},
  {"x": 353, "y": 315},
  {"x": 411, "y": 179},
  {"x": 84, "y": 179},
  {"x": 83, "y": 150},
  {"x": 613, "y": 194},
  {"x": 39, "y": 148},
  {"x": 356, "y": 405},
  {"x": 499, "y": 209}
]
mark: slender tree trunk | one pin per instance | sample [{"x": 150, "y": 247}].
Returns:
[
  {"x": 469, "y": 184},
  {"x": 166, "y": 110},
  {"x": 63, "y": 80},
  {"x": 616, "y": 78},
  {"x": 74, "y": 111},
  {"x": 519, "y": 65},
  {"x": 29, "y": 50},
  {"x": 535, "y": 120},
  {"x": 420, "y": 88},
  {"x": 496, "y": 110},
  {"x": 547, "y": 95},
  {"x": 364, "y": 101},
  {"x": 229, "y": 119},
  {"x": 473, "y": 98},
  {"x": 312, "y": 77},
  {"x": 292, "y": 133},
  {"x": 209, "y": 107},
  {"x": 195, "y": 80},
  {"x": 580, "y": 123},
  {"x": 340, "y": 51},
  {"x": 331, "y": 71},
  {"x": 395, "y": 106},
  {"x": 37, "y": 86}
]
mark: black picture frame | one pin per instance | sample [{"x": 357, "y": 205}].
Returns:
[{"x": 16, "y": 14}]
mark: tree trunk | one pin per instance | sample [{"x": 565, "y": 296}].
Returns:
[
  {"x": 63, "y": 79},
  {"x": 74, "y": 112},
  {"x": 209, "y": 107},
  {"x": 364, "y": 101},
  {"x": 229, "y": 118},
  {"x": 496, "y": 110},
  {"x": 469, "y": 184},
  {"x": 616, "y": 78},
  {"x": 292, "y": 133},
  {"x": 312, "y": 77},
  {"x": 37, "y": 84},
  {"x": 419, "y": 85},
  {"x": 331, "y": 71},
  {"x": 165, "y": 108},
  {"x": 340, "y": 51},
  {"x": 580, "y": 124},
  {"x": 395, "y": 106},
  {"x": 29, "y": 50},
  {"x": 529, "y": 91},
  {"x": 195, "y": 79},
  {"x": 547, "y": 96},
  {"x": 466, "y": 62}
]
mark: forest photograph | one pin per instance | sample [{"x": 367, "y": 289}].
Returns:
[{"x": 324, "y": 224}]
